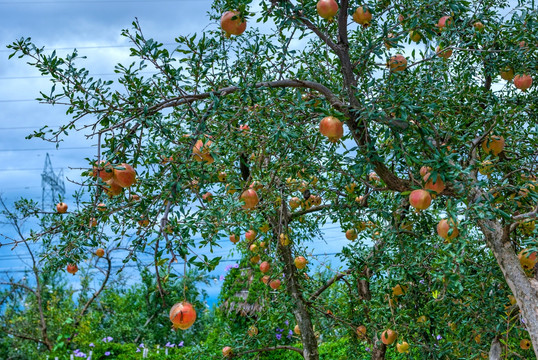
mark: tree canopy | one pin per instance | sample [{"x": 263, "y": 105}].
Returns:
[{"x": 411, "y": 124}]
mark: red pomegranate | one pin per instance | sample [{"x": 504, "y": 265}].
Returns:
[
  {"x": 265, "y": 267},
  {"x": 523, "y": 82},
  {"x": 397, "y": 63},
  {"x": 124, "y": 175},
  {"x": 327, "y": 8},
  {"x": 72, "y": 268},
  {"x": 445, "y": 53},
  {"x": 113, "y": 188},
  {"x": 438, "y": 186},
  {"x": 444, "y": 226},
  {"x": 274, "y": 284},
  {"x": 250, "y": 199},
  {"x": 231, "y": 23},
  {"x": 420, "y": 199},
  {"x": 251, "y": 235},
  {"x": 234, "y": 238},
  {"x": 443, "y": 22},
  {"x": 105, "y": 171},
  {"x": 332, "y": 128},
  {"x": 182, "y": 315}
]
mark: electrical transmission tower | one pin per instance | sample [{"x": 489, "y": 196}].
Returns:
[{"x": 52, "y": 185}]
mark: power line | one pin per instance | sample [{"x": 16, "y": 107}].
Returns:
[
  {"x": 48, "y": 149},
  {"x": 92, "y": 1},
  {"x": 50, "y": 77},
  {"x": 29, "y": 127},
  {"x": 16, "y": 100},
  {"x": 52, "y": 48}
]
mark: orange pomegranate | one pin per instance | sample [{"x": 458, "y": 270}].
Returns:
[
  {"x": 182, "y": 315},
  {"x": 332, "y": 128},
  {"x": 420, "y": 199},
  {"x": 327, "y": 8},
  {"x": 124, "y": 175},
  {"x": 72, "y": 268},
  {"x": 231, "y": 23},
  {"x": 397, "y": 63},
  {"x": 250, "y": 199}
]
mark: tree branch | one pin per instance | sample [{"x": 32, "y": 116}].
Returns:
[
  {"x": 331, "y": 281},
  {"x": 26, "y": 337},
  {"x": 187, "y": 99}
]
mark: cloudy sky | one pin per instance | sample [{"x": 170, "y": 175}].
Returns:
[{"x": 93, "y": 27}]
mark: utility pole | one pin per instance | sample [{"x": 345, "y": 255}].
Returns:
[{"x": 52, "y": 186}]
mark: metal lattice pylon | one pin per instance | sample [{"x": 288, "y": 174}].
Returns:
[{"x": 52, "y": 186}]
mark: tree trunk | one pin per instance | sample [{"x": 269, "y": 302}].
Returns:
[
  {"x": 524, "y": 289},
  {"x": 495, "y": 350},
  {"x": 378, "y": 350},
  {"x": 310, "y": 343}
]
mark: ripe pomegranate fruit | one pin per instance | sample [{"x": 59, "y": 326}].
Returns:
[
  {"x": 231, "y": 23},
  {"x": 105, "y": 171},
  {"x": 227, "y": 351},
  {"x": 397, "y": 63},
  {"x": 250, "y": 199},
  {"x": 300, "y": 262},
  {"x": 61, "y": 208},
  {"x": 124, "y": 175},
  {"x": 424, "y": 170},
  {"x": 420, "y": 199},
  {"x": 443, "y": 22},
  {"x": 265, "y": 267},
  {"x": 332, "y": 128},
  {"x": 362, "y": 16},
  {"x": 72, "y": 268},
  {"x": 182, "y": 315},
  {"x": 327, "y": 8},
  {"x": 351, "y": 234},
  {"x": 274, "y": 284},
  {"x": 444, "y": 53},
  {"x": 438, "y": 186},
  {"x": 251, "y": 235},
  {"x": 388, "y": 336},
  {"x": 444, "y": 226},
  {"x": 113, "y": 189},
  {"x": 523, "y": 82}
]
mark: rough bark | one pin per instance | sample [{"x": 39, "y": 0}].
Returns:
[
  {"x": 299, "y": 305},
  {"x": 495, "y": 350},
  {"x": 523, "y": 290},
  {"x": 379, "y": 350},
  {"x": 310, "y": 343}
]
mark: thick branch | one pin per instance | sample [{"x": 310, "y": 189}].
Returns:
[
  {"x": 187, "y": 99},
  {"x": 18, "y": 285},
  {"x": 331, "y": 281},
  {"x": 26, "y": 337}
]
